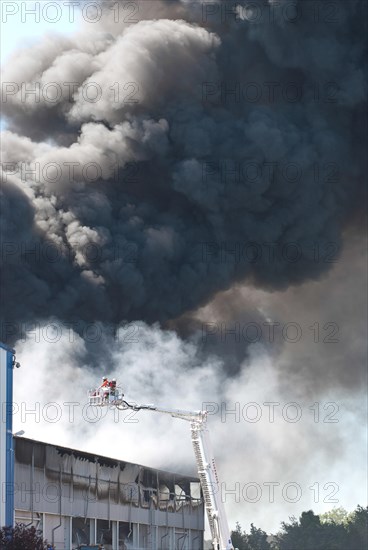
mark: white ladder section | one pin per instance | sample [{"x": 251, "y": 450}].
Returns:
[
  {"x": 211, "y": 487},
  {"x": 206, "y": 466}
]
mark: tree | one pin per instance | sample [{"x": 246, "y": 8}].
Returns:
[
  {"x": 21, "y": 537},
  {"x": 334, "y": 530},
  {"x": 336, "y": 515},
  {"x": 256, "y": 540},
  {"x": 310, "y": 534},
  {"x": 357, "y": 529},
  {"x": 239, "y": 538}
]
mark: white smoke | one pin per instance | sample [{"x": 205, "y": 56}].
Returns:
[
  {"x": 305, "y": 463},
  {"x": 169, "y": 134}
]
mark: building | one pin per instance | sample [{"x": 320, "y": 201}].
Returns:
[
  {"x": 79, "y": 498},
  {"x": 7, "y": 361}
]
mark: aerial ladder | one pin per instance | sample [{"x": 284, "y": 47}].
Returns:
[{"x": 206, "y": 466}]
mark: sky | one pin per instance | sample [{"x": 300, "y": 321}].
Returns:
[
  {"x": 179, "y": 269},
  {"x": 21, "y": 28},
  {"x": 23, "y": 23}
]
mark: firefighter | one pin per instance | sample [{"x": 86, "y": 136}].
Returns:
[
  {"x": 105, "y": 387},
  {"x": 113, "y": 386},
  {"x": 105, "y": 382}
]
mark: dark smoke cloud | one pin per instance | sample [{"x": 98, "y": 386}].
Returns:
[
  {"x": 132, "y": 247},
  {"x": 226, "y": 328},
  {"x": 324, "y": 348}
]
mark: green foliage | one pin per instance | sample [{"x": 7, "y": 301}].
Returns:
[
  {"x": 310, "y": 534},
  {"x": 334, "y": 530},
  {"x": 336, "y": 515},
  {"x": 357, "y": 529},
  {"x": 348, "y": 532},
  {"x": 256, "y": 540},
  {"x": 21, "y": 538},
  {"x": 239, "y": 538}
]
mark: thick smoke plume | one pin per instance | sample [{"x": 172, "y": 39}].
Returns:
[
  {"x": 314, "y": 440},
  {"x": 139, "y": 196},
  {"x": 221, "y": 160}
]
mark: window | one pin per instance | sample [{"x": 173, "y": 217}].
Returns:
[
  {"x": 125, "y": 535},
  {"x": 80, "y": 531},
  {"x": 104, "y": 533}
]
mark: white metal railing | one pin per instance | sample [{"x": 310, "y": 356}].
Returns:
[{"x": 105, "y": 396}]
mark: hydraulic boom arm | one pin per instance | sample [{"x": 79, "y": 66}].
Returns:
[
  {"x": 207, "y": 472},
  {"x": 206, "y": 466}
]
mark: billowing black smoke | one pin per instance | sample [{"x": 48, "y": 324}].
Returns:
[{"x": 161, "y": 159}]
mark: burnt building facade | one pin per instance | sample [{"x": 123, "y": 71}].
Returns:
[{"x": 79, "y": 499}]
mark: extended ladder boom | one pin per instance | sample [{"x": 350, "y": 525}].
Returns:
[
  {"x": 207, "y": 472},
  {"x": 211, "y": 487},
  {"x": 206, "y": 466}
]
